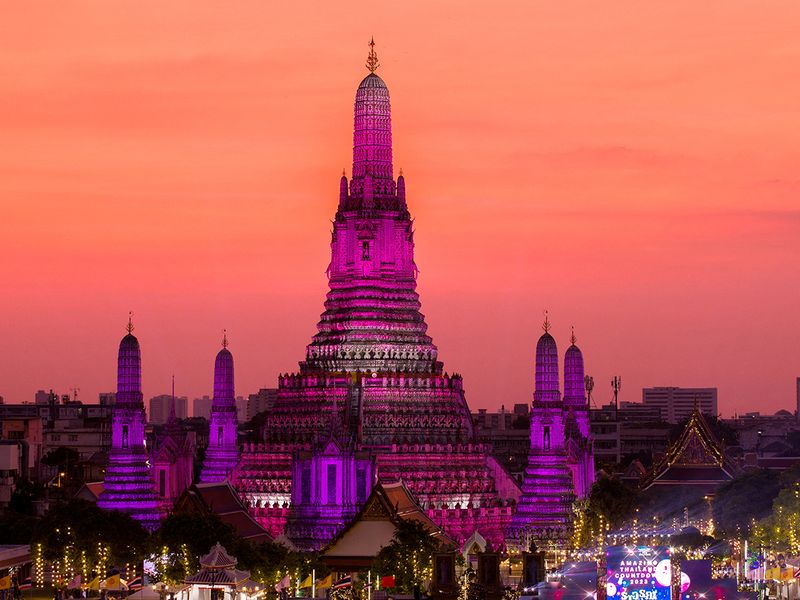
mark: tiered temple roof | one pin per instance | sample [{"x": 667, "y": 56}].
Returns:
[
  {"x": 218, "y": 568},
  {"x": 696, "y": 458},
  {"x": 128, "y": 484},
  {"x": 560, "y": 462},
  {"x": 222, "y": 454},
  {"x": 371, "y": 370}
]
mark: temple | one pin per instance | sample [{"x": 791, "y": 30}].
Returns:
[
  {"x": 128, "y": 485},
  {"x": 370, "y": 404},
  {"x": 172, "y": 460},
  {"x": 222, "y": 453},
  {"x": 696, "y": 459},
  {"x": 560, "y": 459},
  {"x": 371, "y": 400}
]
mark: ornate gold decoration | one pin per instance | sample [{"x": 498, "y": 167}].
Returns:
[
  {"x": 546, "y": 324},
  {"x": 372, "y": 59},
  {"x": 129, "y": 326}
]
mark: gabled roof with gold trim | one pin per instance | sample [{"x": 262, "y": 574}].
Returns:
[
  {"x": 374, "y": 526},
  {"x": 695, "y": 458}
]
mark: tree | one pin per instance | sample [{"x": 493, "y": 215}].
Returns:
[
  {"x": 61, "y": 457},
  {"x": 79, "y": 528},
  {"x": 409, "y": 556},
  {"x": 22, "y": 500},
  {"x": 609, "y": 505},
  {"x": 780, "y": 530},
  {"x": 743, "y": 500},
  {"x": 183, "y": 538},
  {"x": 612, "y": 499},
  {"x": 17, "y": 528}
]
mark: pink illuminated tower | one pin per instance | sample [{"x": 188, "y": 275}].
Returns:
[
  {"x": 371, "y": 400},
  {"x": 128, "y": 485},
  {"x": 577, "y": 433},
  {"x": 222, "y": 454},
  {"x": 544, "y": 512}
]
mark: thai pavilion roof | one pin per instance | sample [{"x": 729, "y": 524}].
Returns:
[
  {"x": 374, "y": 527},
  {"x": 695, "y": 458},
  {"x": 218, "y": 558},
  {"x": 220, "y": 499},
  {"x": 232, "y": 577},
  {"x": 218, "y": 569}
]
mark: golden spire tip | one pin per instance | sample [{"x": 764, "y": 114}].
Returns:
[
  {"x": 372, "y": 63},
  {"x": 572, "y": 338},
  {"x": 546, "y": 324},
  {"x": 129, "y": 326},
  {"x": 224, "y": 338}
]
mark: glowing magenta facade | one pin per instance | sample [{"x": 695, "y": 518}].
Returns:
[
  {"x": 371, "y": 400},
  {"x": 560, "y": 459},
  {"x": 128, "y": 484},
  {"x": 222, "y": 453}
]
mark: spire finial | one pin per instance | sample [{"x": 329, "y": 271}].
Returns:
[
  {"x": 572, "y": 338},
  {"x": 129, "y": 326},
  {"x": 401, "y": 171},
  {"x": 372, "y": 59},
  {"x": 546, "y": 324},
  {"x": 344, "y": 173},
  {"x": 224, "y": 338}
]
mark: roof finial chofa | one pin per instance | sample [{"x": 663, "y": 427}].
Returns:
[
  {"x": 129, "y": 326},
  {"x": 572, "y": 338},
  {"x": 546, "y": 324},
  {"x": 224, "y": 338},
  {"x": 372, "y": 58}
]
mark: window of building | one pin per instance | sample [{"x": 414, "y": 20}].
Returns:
[
  {"x": 55, "y": 437},
  {"x": 162, "y": 483},
  {"x": 305, "y": 484},
  {"x": 365, "y": 250},
  {"x": 73, "y": 438},
  {"x": 331, "y": 484},
  {"x": 546, "y": 437},
  {"x": 361, "y": 484},
  {"x": 124, "y": 436},
  {"x": 219, "y": 436}
]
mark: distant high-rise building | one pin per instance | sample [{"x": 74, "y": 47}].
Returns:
[
  {"x": 677, "y": 403},
  {"x": 161, "y": 405},
  {"x": 107, "y": 398},
  {"x": 260, "y": 402},
  {"x": 201, "y": 407}
]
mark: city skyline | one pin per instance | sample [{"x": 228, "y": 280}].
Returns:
[{"x": 190, "y": 178}]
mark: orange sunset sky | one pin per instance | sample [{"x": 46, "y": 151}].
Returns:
[{"x": 633, "y": 167}]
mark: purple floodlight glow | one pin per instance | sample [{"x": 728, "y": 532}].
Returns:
[
  {"x": 546, "y": 370},
  {"x": 129, "y": 371},
  {"x": 560, "y": 460},
  {"x": 372, "y": 402},
  {"x": 222, "y": 454},
  {"x": 372, "y": 139},
  {"x": 128, "y": 485},
  {"x": 574, "y": 385}
]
